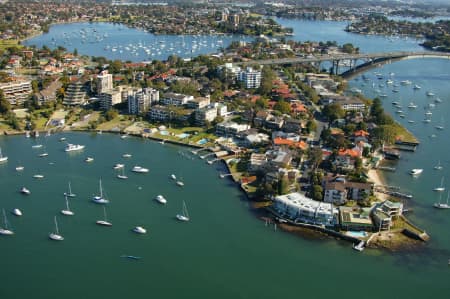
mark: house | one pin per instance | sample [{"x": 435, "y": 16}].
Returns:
[
  {"x": 273, "y": 122},
  {"x": 199, "y": 102},
  {"x": 257, "y": 162},
  {"x": 229, "y": 128},
  {"x": 300, "y": 209},
  {"x": 49, "y": 94},
  {"x": 337, "y": 190},
  {"x": 355, "y": 219},
  {"x": 260, "y": 118},
  {"x": 292, "y": 125}
]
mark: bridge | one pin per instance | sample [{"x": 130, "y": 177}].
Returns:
[{"x": 350, "y": 61}]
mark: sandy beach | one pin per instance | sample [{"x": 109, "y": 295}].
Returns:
[{"x": 374, "y": 176}]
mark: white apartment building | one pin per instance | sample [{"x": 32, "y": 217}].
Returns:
[
  {"x": 16, "y": 92},
  {"x": 175, "y": 99},
  {"x": 104, "y": 82}
]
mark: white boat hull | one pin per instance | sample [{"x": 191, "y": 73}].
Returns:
[
  {"x": 182, "y": 217},
  {"x": 55, "y": 237},
  {"x": 103, "y": 222},
  {"x": 67, "y": 212},
  {"x": 6, "y": 232}
]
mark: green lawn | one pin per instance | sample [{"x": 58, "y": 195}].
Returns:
[{"x": 4, "y": 44}]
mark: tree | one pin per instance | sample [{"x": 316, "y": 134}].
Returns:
[
  {"x": 311, "y": 126},
  {"x": 317, "y": 193},
  {"x": 5, "y": 106},
  {"x": 283, "y": 185},
  {"x": 115, "y": 67},
  {"x": 111, "y": 114},
  {"x": 333, "y": 111},
  {"x": 283, "y": 107},
  {"x": 315, "y": 156}
]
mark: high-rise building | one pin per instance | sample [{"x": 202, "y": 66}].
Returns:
[
  {"x": 75, "y": 94},
  {"x": 104, "y": 82},
  {"x": 250, "y": 77}
]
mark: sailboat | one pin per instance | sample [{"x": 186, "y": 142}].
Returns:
[
  {"x": 67, "y": 211},
  {"x": 440, "y": 205},
  {"x": 69, "y": 194},
  {"x": 56, "y": 236},
  {"x": 180, "y": 182},
  {"x": 440, "y": 188},
  {"x": 5, "y": 231},
  {"x": 184, "y": 216},
  {"x": 122, "y": 176},
  {"x": 99, "y": 198},
  {"x": 2, "y": 158},
  {"x": 438, "y": 166},
  {"x": 104, "y": 222}
]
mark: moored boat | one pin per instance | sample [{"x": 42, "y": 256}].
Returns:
[
  {"x": 416, "y": 171},
  {"x": 139, "y": 230},
  {"x": 139, "y": 169},
  {"x": 73, "y": 147},
  {"x": 161, "y": 199}
]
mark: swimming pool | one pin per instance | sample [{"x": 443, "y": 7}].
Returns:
[
  {"x": 165, "y": 133},
  {"x": 202, "y": 141},
  {"x": 360, "y": 234}
]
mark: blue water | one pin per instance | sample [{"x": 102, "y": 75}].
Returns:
[{"x": 115, "y": 41}]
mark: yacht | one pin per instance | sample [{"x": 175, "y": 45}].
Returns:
[
  {"x": 441, "y": 187},
  {"x": 24, "y": 190},
  {"x": 104, "y": 222},
  {"x": 183, "y": 216},
  {"x": 2, "y": 158},
  {"x": 173, "y": 177},
  {"x": 437, "y": 100},
  {"x": 67, "y": 211},
  {"x": 38, "y": 176},
  {"x": 62, "y": 139},
  {"x": 56, "y": 236},
  {"x": 99, "y": 198},
  {"x": 405, "y": 82},
  {"x": 180, "y": 183},
  {"x": 416, "y": 171},
  {"x": 139, "y": 230},
  {"x": 122, "y": 176},
  {"x": 427, "y": 120},
  {"x": 37, "y": 146},
  {"x": 412, "y": 105},
  {"x": 20, "y": 168},
  {"x": 417, "y": 87},
  {"x": 89, "y": 159},
  {"x": 119, "y": 166},
  {"x": 73, "y": 147},
  {"x": 126, "y": 155},
  {"x": 430, "y": 94},
  {"x": 161, "y": 199},
  {"x": 139, "y": 169},
  {"x": 5, "y": 231},
  {"x": 428, "y": 113},
  {"x": 16, "y": 212},
  {"x": 43, "y": 155},
  {"x": 441, "y": 205}
]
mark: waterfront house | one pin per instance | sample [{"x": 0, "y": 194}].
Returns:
[
  {"x": 159, "y": 113},
  {"x": 338, "y": 190},
  {"x": 16, "y": 92},
  {"x": 229, "y": 128},
  {"x": 355, "y": 219},
  {"x": 257, "y": 162},
  {"x": 298, "y": 208}
]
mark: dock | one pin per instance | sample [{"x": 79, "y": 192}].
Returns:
[{"x": 387, "y": 168}]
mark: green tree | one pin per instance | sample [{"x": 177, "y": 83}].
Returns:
[
  {"x": 283, "y": 186},
  {"x": 317, "y": 193},
  {"x": 283, "y": 107},
  {"x": 111, "y": 114},
  {"x": 5, "y": 106},
  {"x": 333, "y": 111}
]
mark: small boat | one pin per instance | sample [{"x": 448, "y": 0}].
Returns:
[
  {"x": 180, "y": 183},
  {"x": 69, "y": 193},
  {"x": 416, "y": 171},
  {"x": 124, "y": 136},
  {"x": 426, "y": 120},
  {"x": 131, "y": 257},
  {"x": 440, "y": 205},
  {"x": 438, "y": 166},
  {"x": 37, "y": 146},
  {"x": 183, "y": 216},
  {"x": 43, "y": 155},
  {"x": 119, "y": 166},
  {"x": 161, "y": 199},
  {"x": 38, "y": 176},
  {"x": 56, "y": 236},
  {"x": 428, "y": 113},
  {"x": 25, "y": 191},
  {"x": 173, "y": 177},
  {"x": 359, "y": 246},
  {"x": 411, "y": 121},
  {"x": 439, "y": 127},
  {"x": 139, "y": 230},
  {"x": 62, "y": 139},
  {"x": 67, "y": 211},
  {"x": 4, "y": 230},
  {"x": 89, "y": 159},
  {"x": 99, "y": 198},
  {"x": 20, "y": 168},
  {"x": 2, "y": 158},
  {"x": 73, "y": 147},
  {"x": 105, "y": 221},
  {"x": 412, "y": 105},
  {"x": 126, "y": 155},
  {"x": 441, "y": 187},
  {"x": 122, "y": 176},
  {"x": 430, "y": 94},
  {"x": 139, "y": 169},
  {"x": 16, "y": 212},
  {"x": 416, "y": 86}
]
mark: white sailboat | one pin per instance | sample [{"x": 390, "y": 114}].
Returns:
[
  {"x": 99, "y": 198},
  {"x": 105, "y": 221},
  {"x": 69, "y": 193},
  {"x": 441, "y": 187},
  {"x": 183, "y": 216},
  {"x": 56, "y": 236},
  {"x": 122, "y": 175},
  {"x": 67, "y": 211},
  {"x": 2, "y": 158},
  {"x": 440, "y": 205},
  {"x": 438, "y": 166},
  {"x": 5, "y": 231}
]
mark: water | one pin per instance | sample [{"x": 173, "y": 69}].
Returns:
[
  {"x": 115, "y": 41},
  {"x": 224, "y": 251}
]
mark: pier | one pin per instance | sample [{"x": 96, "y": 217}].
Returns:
[
  {"x": 196, "y": 151},
  {"x": 207, "y": 155},
  {"x": 212, "y": 161}
]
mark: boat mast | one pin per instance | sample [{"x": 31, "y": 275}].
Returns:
[{"x": 56, "y": 226}]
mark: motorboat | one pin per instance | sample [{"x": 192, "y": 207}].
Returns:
[
  {"x": 412, "y": 105},
  {"x": 173, "y": 177},
  {"x": 126, "y": 155},
  {"x": 161, "y": 199},
  {"x": 139, "y": 230},
  {"x": 180, "y": 183},
  {"x": 359, "y": 246},
  {"x": 16, "y": 212},
  {"x": 24, "y": 190},
  {"x": 37, "y": 146},
  {"x": 73, "y": 147},
  {"x": 139, "y": 169},
  {"x": 38, "y": 176},
  {"x": 430, "y": 94},
  {"x": 43, "y": 155},
  {"x": 20, "y": 168},
  {"x": 62, "y": 139},
  {"x": 416, "y": 171},
  {"x": 89, "y": 159},
  {"x": 417, "y": 87}
]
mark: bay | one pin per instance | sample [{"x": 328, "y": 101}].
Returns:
[{"x": 117, "y": 41}]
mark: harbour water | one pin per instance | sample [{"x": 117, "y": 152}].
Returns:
[
  {"x": 116, "y": 41},
  {"x": 224, "y": 251}
]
